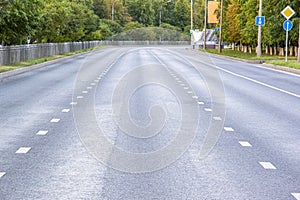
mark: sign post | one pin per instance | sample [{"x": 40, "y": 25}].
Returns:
[{"x": 288, "y": 12}]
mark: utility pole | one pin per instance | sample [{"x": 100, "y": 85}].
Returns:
[
  {"x": 221, "y": 22},
  {"x": 298, "y": 59},
  {"x": 192, "y": 21},
  {"x": 259, "y": 31},
  {"x": 205, "y": 24},
  {"x": 113, "y": 10}
]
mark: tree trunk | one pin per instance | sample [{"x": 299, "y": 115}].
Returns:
[
  {"x": 271, "y": 51},
  {"x": 281, "y": 51},
  {"x": 267, "y": 50},
  {"x": 291, "y": 51}
]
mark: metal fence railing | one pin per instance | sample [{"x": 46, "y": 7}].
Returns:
[{"x": 19, "y": 53}]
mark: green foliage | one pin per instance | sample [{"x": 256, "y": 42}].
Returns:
[
  {"x": 182, "y": 10},
  {"x": 141, "y": 11},
  {"x": 239, "y": 22},
  {"x": 132, "y": 25}
]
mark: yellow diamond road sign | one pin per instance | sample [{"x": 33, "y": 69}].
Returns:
[{"x": 288, "y": 12}]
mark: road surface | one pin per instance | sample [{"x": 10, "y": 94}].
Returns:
[{"x": 150, "y": 123}]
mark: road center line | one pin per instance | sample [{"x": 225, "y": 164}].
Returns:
[{"x": 260, "y": 83}]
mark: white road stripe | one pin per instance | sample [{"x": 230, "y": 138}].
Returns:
[
  {"x": 73, "y": 103},
  {"x": 2, "y": 174},
  {"x": 195, "y": 97},
  {"x": 96, "y": 81},
  {"x": 190, "y": 92},
  {"x": 200, "y": 103},
  {"x": 93, "y": 83},
  {"x": 217, "y": 118},
  {"x": 228, "y": 129},
  {"x": 89, "y": 88},
  {"x": 245, "y": 144},
  {"x": 85, "y": 92},
  {"x": 296, "y": 195},
  {"x": 65, "y": 110},
  {"x": 79, "y": 97},
  {"x": 186, "y": 88},
  {"x": 182, "y": 84},
  {"x": 41, "y": 132},
  {"x": 55, "y": 120},
  {"x": 208, "y": 109},
  {"x": 267, "y": 165},
  {"x": 23, "y": 150},
  {"x": 260, "y": 83}
]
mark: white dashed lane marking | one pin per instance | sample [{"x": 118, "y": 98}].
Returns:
[
  {"x": 195, "y": 97},
  {"x": 41, "y": 132},
  {"x": 23, "y": 150},
  {"x": 217, "y": 118},
  {"x": 245, "y": 144},
  {"x": 228, "y": 129},
  {"x": 55, "y": 120},
  {"x": 73, "y": 103},
  {"x": 267, "y": 165},
  {"x": 65, "y": 110},
  {"x": 79, "y": 97},
  {"x": 190, "y": 92},
  {"x": 200, "y": 103},
  {"x": 85, "y": 92},
  {"x": 93, "y": 83},
  {"x": 208, "y": 109},
  {"x": 2, "y": 174},
  {"x": 89, "y": 88},
  {"x": 186, "y": 88},
  {"x": 296, "y": 195}
]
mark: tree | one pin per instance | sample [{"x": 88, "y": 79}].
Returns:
[
  {"x": 19, "y": 20},
  {"x": 141, "y": 11},
  {"x": 182, "y": 12}
]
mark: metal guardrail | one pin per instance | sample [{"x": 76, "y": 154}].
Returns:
[{"x": 19, "y": 53}]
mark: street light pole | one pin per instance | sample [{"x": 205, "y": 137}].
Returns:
[
  {"x": 191, "y": 21},
  {"x": 113, "y": 10},
  {"x": 259, "y": 31},
  {"x": 221, "y": 23},
  {"x": 298, "y": 59},
  {"x": 205, "y": 24}
]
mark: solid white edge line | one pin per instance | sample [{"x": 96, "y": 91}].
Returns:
[
  {"x": 260, "y": 83},
  {"x": 296, "y": 195}
]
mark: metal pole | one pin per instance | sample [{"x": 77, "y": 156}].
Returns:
[
  {"x": 191, "y": 14},
  {"x": 192, "y": 22},
  {"x": 160, "y": 15},
  {"x": 221, "y": 22},
  {"x": 286, "y": 43},
  {"x": 259, "y": 31},
  {"x": 205, "y": 24},
  {"x": 299, "y": 44},
  {"x": 113, "y": 11}
]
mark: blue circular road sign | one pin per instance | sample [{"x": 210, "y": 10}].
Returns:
[{"x": 287, "y": 25}]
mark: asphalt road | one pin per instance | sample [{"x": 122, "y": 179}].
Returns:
[{"x": 150, "y": 123}]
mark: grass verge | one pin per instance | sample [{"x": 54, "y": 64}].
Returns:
[
  {"x": 274, "y": 60},
  {"x": 4, "y": 68}
]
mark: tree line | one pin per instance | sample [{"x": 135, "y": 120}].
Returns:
[
  {"x": 37, "y": 21},
  {"x": 239, "y": 24}
]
